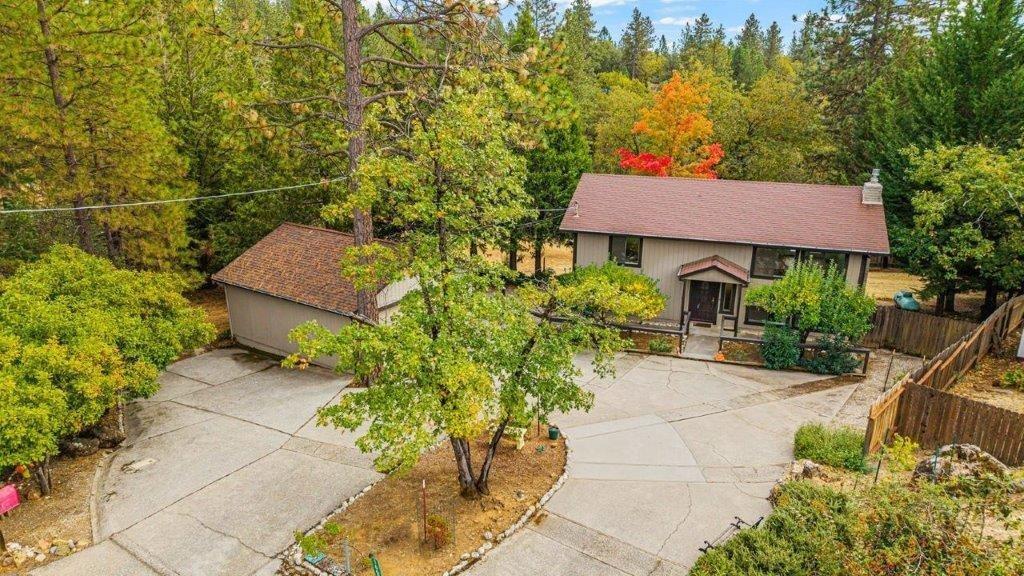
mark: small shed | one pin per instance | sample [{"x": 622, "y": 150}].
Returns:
[{"x": 289, "y": 277}]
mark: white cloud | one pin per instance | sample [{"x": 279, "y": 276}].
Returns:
[{"x": 676, "y": 20}]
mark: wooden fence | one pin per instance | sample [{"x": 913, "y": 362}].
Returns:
[
  {"x": 919, "y": 406},
  {"x": 914, "y": 332}
]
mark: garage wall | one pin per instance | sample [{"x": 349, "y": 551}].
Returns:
[{"x": 263, "y": 322}]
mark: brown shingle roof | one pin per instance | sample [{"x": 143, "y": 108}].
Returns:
[
  {"x": 762, "y": 213},
  {"x": 298, "y": 263},
  {"x": 715, "y": 262}
]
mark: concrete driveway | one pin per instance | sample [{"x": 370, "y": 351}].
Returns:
[
  {"x": 221, "y": 466},
  {"x": 672, "y": 451}
]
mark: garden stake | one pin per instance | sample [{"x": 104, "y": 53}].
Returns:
[
  {"x": 885, "y": 385},
  {"x": 881, "y": 457},
  {"x": 424, "y": 497},
  {"x": 375, "y": 565}
]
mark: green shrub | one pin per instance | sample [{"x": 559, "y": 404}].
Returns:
[
  {"x": 1013, "y": 378},
  {"x": 779, "y": 347},
  {"x": 889, "y": 528},
  {"x": 839, "y": 447},
  {"x": 833, "y": 357},
  {"x": 901, "y": 454},
  {"x": 661, "y": 345}
]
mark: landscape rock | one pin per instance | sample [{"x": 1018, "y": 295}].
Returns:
[
  {"x": 79, "y": 446},
  {"x": 960, "y": 461},
  {"x": 805, "y": 469},
  {"x": 61, "y": 547},
  {"x": 488, "y": 535}
]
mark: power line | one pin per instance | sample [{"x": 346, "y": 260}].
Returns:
[{"x": 168, "y": 201}]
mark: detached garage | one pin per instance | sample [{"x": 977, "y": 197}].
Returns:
[{"x": 289, "y": 277}]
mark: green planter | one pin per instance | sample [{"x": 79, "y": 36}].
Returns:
[{"x": 553, "y": 432}]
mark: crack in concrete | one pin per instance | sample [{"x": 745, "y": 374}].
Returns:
[
  {"x": 689, "y": 510},
  {"x": 221, "y": 532}
]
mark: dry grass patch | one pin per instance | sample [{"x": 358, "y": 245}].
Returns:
[
  {"x": 555, "y": 256},
  {"x": 388, "y": 520},
  {"x": 882, "y": 284}
]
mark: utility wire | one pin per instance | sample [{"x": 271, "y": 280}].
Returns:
[{"x": 168, "y": 201}]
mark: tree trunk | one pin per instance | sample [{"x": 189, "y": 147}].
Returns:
[
  {"x": 513, "y": 255},
  {"x": 82, "y": 227},
  {"x": 41, "y": 473},
  {"x": 991, "y": 299},
  {"x": 492, "y": 448},
  {"x": 473, "y": 248},
  {"x": 949, "y": 301},
  {"x": 362, "y": 218},
  {"x": 464, "y": 466},
  {"x": 538, "y": 255}
]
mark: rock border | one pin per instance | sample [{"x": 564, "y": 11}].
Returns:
[{"x": 293, "y": 561}]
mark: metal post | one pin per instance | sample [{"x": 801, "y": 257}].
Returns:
[
  {"x": 424, "y": 497},
  {"x": 348, "y": 557}
]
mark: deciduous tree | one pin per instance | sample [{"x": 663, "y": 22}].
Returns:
[
  {"x": 677, "y": 126},
  {"x": 462, "y": 358}
]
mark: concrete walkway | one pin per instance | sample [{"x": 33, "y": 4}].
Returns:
[
  {"x": 672, "y": 451},
  {"x": 221, "y": 466}
]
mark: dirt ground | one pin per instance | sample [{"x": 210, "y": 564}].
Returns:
[
  {"x": 64, "y": 514},
  {"x": 212, "y": 300},
  {"x": 981, "y": 383},
  {"x": 641, "y": 340},
  {"x": 388, "y": 520},
  {"x": 883, "y": 283}
]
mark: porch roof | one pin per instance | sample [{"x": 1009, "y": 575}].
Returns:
[{"x": 716, "y": 262}]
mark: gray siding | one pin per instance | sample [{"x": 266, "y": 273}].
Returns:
[
  {"x": 263, "y": 322},
  {"x": 662, "y": 258}
]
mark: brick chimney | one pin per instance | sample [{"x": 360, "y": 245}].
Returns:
[{"x": 872, "y": 191}]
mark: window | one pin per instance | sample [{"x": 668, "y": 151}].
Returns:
[
  {"x": 756, "y": 315},
  {"x": 772, "y": 262},
  {"x": 728, "y": 298},
  {"x": 625, "y": 250},
  {"x": 826, "y": 259}
]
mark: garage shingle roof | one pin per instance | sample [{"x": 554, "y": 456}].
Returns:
[
  {"x": 298, "y": 263},
  {"x": 761, "y": 213}
]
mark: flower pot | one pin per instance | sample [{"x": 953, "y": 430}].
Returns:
[{"x": 553, "y": 432}]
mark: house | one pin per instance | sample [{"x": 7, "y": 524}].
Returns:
[
  {"x": 706, "y": 241},
  {"x": 292, "y": 276}
]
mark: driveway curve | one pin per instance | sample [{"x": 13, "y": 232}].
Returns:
[
  {"x": 671, "y": 454},
  {"x": 220, "y": 467}
]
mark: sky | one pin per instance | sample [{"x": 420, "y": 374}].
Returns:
[{"x": 669, "y": 16}]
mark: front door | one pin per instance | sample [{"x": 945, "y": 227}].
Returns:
[{"x": 704, "y": 301}]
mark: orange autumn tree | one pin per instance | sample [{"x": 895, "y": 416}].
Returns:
[{"x": 677, "y": 131}]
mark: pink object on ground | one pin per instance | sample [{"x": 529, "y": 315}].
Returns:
[{"x": 8, "y": 498}]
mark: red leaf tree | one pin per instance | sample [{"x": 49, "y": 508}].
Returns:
[{"x": 676, "y": 132}]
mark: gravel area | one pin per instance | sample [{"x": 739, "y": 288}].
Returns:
[{"x": 855, "y": 411}]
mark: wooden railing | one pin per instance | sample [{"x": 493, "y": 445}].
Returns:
[
  {"x": 932, "y": 419},
  {"x": 864, "y": 353}
]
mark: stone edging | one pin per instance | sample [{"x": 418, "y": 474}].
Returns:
[
  {"x": 94, "y": 494},
  {"x": 293, "y": 557}
]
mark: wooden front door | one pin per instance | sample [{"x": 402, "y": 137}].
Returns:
[{"x": 704, "y": 301}]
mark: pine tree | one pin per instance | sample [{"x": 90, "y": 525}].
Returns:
[
  {"x": 636, "y": 42},
  {"x": 545, "y": 14},
  {"x": 80, "y": 103},
  {"x": 773, "y": 46},
  {"x": 523, "y": 33},
  {"x": 748, "y": 60}
]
